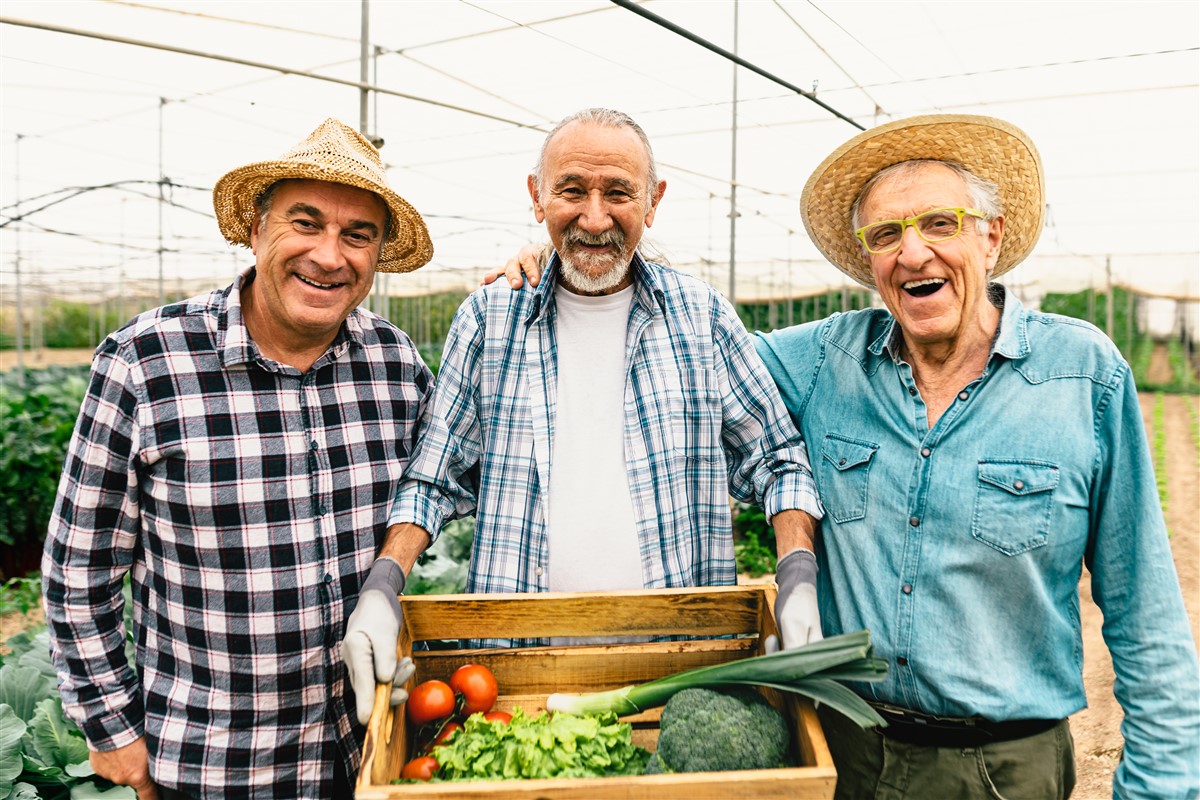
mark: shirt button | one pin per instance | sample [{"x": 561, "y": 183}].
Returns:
[
  {"x": 328, "y": 578},
  {"x": 963, "y": 395},
  {"x": 925, "y": 451},
  {"x": 322, "y": 509},
  {"x": 842, "y": 463},
  {"x": 912, "y": 390},
  {"x": 902, "y": 661},
  {"x": 538, "y": 572},
  {"x": 914, "y": 521},
  {"x": 1018, "y": 485},
  {"x": 906, "y": 588},
  {"x": 313, "y": 444}
]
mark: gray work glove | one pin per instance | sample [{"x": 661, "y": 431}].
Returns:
[
  {"x": 369, "y": 648},
  {"x": 796, "y": 611}
]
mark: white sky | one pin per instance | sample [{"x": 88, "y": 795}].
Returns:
[{"x": 1110, "y": 93}]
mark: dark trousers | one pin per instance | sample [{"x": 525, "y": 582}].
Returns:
[{"x": 872, "y": 767}]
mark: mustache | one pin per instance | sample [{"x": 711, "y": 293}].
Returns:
[{"x": 575, "y": 236}]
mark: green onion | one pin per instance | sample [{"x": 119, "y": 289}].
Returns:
[{"x": 812, "y": 670}]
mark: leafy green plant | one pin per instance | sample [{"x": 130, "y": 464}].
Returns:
[
  {"x": 1159, "y": 451},
  {"x": 21, "y": 594},
  {"x": 753, "y": 541},
  {"x": 36, "y": 422},
  {"x": 43, "y": 753},
  {"x": 442, "y": 569}
]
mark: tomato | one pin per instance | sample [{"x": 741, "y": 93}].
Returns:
[
  {"x": 446, "y": 732},
  {"x": 478, "y": 688},
  {"x": 430, "y": 701},
  {"x": 498, "y": 716},
  {"x": 420, "y": 769}
]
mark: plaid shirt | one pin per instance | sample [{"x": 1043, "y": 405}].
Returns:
[
  {"x": 248, "y": 500},
  {"x": 703, "y": 420}
]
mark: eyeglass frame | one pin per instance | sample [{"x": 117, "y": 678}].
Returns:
[{"x": 959, "y": 211}]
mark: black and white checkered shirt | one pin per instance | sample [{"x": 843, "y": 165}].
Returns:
[{"x": 248, "y": 501}]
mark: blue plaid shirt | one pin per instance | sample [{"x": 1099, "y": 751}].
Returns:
[{"x": 703, "y": 420}]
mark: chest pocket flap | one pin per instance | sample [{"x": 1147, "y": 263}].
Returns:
[
  {"x": 844, "y": 477},
  {"x": 1019, "y": 478},
  {"x": 1014, "y": 504}
]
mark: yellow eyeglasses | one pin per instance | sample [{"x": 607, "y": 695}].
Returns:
[{"x": 938, "y": 225}]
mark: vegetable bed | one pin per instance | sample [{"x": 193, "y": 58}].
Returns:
[{"x": 733, "y": 621}]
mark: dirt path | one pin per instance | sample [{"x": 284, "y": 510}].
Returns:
[
  {"x": 1097, "y": 728},
  {"x": 35, "y": 359}
]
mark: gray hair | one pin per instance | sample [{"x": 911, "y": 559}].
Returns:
[
  {"x": 982, "y": 194},
  {"x": 608, "y": 118}
]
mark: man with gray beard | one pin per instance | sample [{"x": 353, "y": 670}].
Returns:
[{"x": 596, "y": 425}]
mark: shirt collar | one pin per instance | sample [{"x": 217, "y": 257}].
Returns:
[
  {"x": 647, "y": 288},
  {"x": 233, "y": 337}
]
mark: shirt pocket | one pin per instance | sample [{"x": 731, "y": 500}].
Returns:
[
  {"x": 845, "y": 471},
  {"x": 1013, "y": 504}
]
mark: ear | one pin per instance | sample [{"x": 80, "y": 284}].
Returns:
[
  {"x": 995, "y": 236},
  {"x": 539, "y": 213},
  {"x": 659, "y": 191},
  {"x": 253, "y": 232}
]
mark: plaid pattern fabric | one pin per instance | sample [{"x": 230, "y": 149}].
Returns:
[
  {"x": 703, "y": 421},
  {"x": 248, "y": 501}
]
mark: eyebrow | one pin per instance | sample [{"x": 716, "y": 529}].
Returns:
[
  {"x": 316, "y": 213},
  {"x": 615, "y": 182}
]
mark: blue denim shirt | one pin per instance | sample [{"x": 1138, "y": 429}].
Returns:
[{"x": 960, "y": 546}]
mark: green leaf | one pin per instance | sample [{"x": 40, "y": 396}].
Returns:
[
  {"x": 89, "y": 791},
  {"x": 23, "y": 688},
  {"x": 37, "y": 656},
  {"x": 24, "y": 791},
  {"x": 12, "y": 728},
  {"x": 56, "y": 740}
]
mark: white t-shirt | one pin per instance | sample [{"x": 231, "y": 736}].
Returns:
[{"x": 592, "y": 531}]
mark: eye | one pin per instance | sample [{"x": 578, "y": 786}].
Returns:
[
  {"x": 359, "y": 239},
  {"x": 572, "y": 191},
  {"x": 304, "y": 224},
  {"x": 883, "y": 234}
]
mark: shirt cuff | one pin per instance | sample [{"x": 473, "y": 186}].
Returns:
[
  {"x": 792, "y": 490},
  {"x": 416, "y": 506},
  {"x": 117, "y": 729}
]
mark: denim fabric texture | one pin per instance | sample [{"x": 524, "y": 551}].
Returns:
[{"x": 961, "y": 546}]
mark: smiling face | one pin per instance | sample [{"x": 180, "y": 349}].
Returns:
[
  {"x": 315, "y": 253},
  {"x": 595, "y": 201},
  {"x": 937, "y": 292}
]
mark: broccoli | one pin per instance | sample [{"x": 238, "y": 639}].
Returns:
[{"x": 708, "y": 730}]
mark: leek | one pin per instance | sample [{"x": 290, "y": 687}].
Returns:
[{"x": 812, "y": 670}]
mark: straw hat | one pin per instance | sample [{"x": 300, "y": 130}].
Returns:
[
  {"x": 337, "y": 153},
  {"x": 988, "y": 147}
]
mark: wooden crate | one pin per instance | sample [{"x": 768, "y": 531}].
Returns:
[{"x": 528, "y": 675}]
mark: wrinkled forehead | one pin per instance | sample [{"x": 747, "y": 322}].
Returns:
[{"x": 910, "y": 188}]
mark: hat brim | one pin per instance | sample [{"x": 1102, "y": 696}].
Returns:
[
  {"x": 988, "y": 147},
  {"x": 406, "y": 248}
]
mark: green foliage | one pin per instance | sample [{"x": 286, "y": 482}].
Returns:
[
  {"x": 710, "y": 730},
  {"x": 543, "y": 746},
  {"x": 21, "y": 594},
  {"x": 43, "y": 753},
  {"x": 753, "y": 540},
  {"x": 770, "y": 315},
  {"x": 36, "y": 422},
  {"x": 1158, "y": 443},
  {"x": 1183, "y": 374},
  {"x": 442, "y": 569}
]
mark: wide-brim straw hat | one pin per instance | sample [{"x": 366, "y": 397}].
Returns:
[
  {"x": 988, "y": 147},
  {"x": 337, "y": 153}
]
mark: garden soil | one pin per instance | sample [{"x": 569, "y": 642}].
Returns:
[{"x": 1097, "y": 728}]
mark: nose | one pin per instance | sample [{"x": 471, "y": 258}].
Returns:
[
  {"x": 326, "y": 250},
  {"x": 914, "y": 251},
  {"x": 593, "y": 216}
]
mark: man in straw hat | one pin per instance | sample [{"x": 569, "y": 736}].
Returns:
[
  {"x": 597, "y": 424},
  {"x": 235, "y": 455},
  {"x": 973, "y": 454}
]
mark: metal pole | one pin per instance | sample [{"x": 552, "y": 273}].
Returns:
[
  {"x": 363, "y": 60},
  {"x": 733, "y": 174},
  {"x": 162, "y": 200},
  {"x": 20, "y": 320}
]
